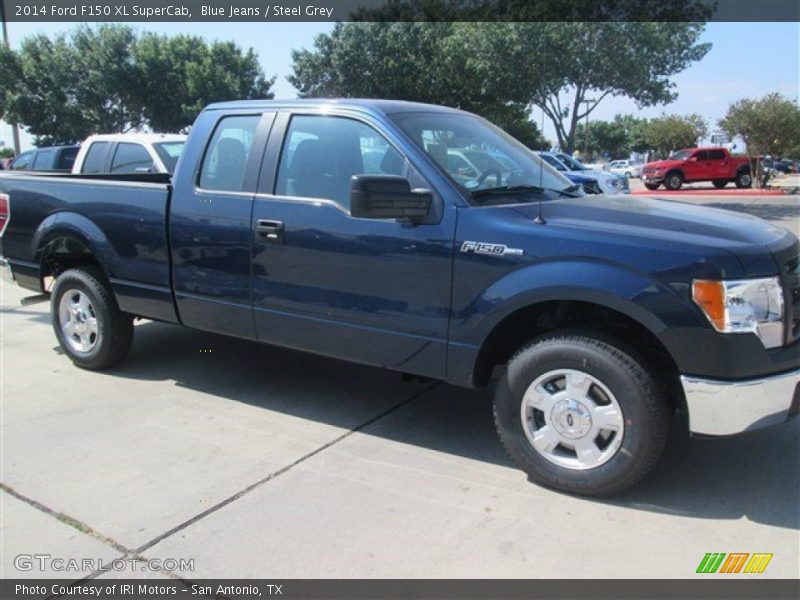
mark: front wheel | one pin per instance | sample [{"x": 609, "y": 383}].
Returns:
[
  {"x": 743, "y": 179},
  {"x": 651, "y": 186},
  {"x": 674, "y": 181},
  {"x": 580, "y": 414},
  {"x": 89, "y": 325}
]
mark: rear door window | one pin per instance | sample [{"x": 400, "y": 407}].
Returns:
[
  {"x": 225, "y": 162},
  {"x": 22, "y": 162},
  {"x": 95, "y": 161},
  {"x": 131, "y": 158},
  {"x": 716, "y": 155},
  {"x": 67, "y": 158},
  {"x": 43, "y": 160}
]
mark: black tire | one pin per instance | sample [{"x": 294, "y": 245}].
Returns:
[
  {"x": 652, "y": 186},
  {"x": 720, "y": 183},
  {"x": 645, "y": 413},
  {"x": 114, "y": 336},
  {"x": 673, "y": 181},
  {"x": 743, "y": 179}
]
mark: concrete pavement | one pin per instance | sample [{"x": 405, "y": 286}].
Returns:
[{"x": 256, "y": 461}]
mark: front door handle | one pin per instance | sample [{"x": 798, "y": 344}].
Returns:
[{"x": 269, "y": 231}]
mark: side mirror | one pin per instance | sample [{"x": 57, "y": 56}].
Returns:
[
  {"x": 387, "y": 197},
  {"x": 693, "y": 159}
]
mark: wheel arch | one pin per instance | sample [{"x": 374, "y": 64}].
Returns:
[
  {"x": 613, "y": 302},
  {"x": 66, "y": 240}
]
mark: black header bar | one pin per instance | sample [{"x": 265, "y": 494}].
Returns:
[{"x": 400, "y": 10}]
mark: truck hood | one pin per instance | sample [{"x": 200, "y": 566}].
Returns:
[
  {"x": 663, "y": 164},
  {"x": 597, "y": 175},
  {"x": 643, "y": 231}
]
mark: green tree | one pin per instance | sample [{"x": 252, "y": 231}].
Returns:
[
  {"x": 41, "y": 92},
  {"x": 534, "y": 10},
  {"x": 566, "y": 69},
  {"x": 568, "y": 55},
  {"x": 182, "y": 74},
  {"x": 604, "y": 138},
  {"x": 586, "y": 62},
  {"x": 9, "y": 67},
  {"x": 668, "y": 133},
  {"x": 107, "y": 79},
  {"x": 768, "y": 125},
  {"x": 439, "y": 63}
]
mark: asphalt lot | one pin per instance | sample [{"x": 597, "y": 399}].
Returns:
[{"x": 261, "y": 462}]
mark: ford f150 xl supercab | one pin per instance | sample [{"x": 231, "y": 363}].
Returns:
[
  {"x": 347, "y": 229},
  {"x": 698, "y": 164}
]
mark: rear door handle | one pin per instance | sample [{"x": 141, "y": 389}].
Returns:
[{"x": 270, "y": 232}]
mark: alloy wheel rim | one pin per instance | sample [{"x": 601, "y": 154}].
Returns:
[
  {"x": 572, "y": 419},
  {"x": 78, "y": 321}
]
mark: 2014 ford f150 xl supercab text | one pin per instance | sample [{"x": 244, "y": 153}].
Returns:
[{"x": 351, "y": 229}]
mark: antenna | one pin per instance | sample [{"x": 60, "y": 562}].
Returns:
[{"x": 539, "y": 220}]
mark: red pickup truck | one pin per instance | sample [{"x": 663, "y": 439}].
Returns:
[{"x": 698, "y": 164}]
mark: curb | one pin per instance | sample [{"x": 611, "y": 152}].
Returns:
[{"x": 733, "y": 192}]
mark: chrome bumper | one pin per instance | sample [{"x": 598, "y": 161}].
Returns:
[
  {"x": 5, "y": 271},
  {"x": 730, "y": 407}
]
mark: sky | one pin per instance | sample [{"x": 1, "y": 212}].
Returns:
[{"x": 746, "y": 60}]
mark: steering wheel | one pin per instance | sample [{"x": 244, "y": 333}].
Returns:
[{"x": 498, "y": 176}]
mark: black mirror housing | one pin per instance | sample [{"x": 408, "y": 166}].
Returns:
[{"x": 387, "y": 197}]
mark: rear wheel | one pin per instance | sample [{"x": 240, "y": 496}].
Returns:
[
  {"x": 674, "y": 181},
  {"x": 743, "y": 179},
  {"x": 651, "y": 186},
  {"x": 89, "y": 325},
  {"x": 580, "y": 414},
  {"x": 720, "y": 183}
]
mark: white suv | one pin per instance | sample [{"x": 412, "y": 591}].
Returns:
[
  {"x": 625, "y": 167},
  {"x": 129, "y": 153}
]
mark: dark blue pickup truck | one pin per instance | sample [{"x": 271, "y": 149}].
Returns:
[{"x": 427, "y": 241}]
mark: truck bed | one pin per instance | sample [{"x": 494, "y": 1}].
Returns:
[{"x": 126, "y": 215}]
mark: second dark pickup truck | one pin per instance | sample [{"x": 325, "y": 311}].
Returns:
[{"x": 346, "y": 228}]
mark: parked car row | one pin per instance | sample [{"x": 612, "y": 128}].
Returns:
[
  {"x": 47, "y": 158},
  {"x": 592, "y": 181},
  {"x": 112, "y": 153}
]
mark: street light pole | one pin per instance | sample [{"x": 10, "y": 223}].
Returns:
[
  {"x": 587, "y": 102},
  {"x": 14, "y": 128}
]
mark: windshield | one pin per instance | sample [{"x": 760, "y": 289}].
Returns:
[
  {"x": 169, "y": 153},
  {"x": 479, "y": 156},
  {"x": 553, "y": 162},
  {"x": 573, "y": 164},
  {"x": 681, "y": 155}
]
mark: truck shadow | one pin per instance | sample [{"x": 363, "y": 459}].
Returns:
[{"x": 754, "y": 476}]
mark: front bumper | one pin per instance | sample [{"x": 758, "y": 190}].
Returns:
[
  {"x": 729, "y": 407},
  {"x": 652, "y": 178}
]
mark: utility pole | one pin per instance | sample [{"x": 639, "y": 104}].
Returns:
[
  {"x": 587, "y": 102},
  {"x": 14, "y": 128}
]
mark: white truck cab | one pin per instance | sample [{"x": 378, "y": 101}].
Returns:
[{"x": 129, "y": 153}]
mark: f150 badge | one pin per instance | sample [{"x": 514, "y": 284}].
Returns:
[{"x": 491, "y": 249}]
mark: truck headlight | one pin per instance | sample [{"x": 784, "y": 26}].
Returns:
[{"x": 743, "y": 306}]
